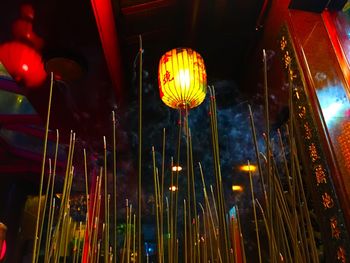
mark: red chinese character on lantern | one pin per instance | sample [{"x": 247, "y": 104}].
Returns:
[
  {"x": 197, "y": 65},
  {"x": 334, "y": 228},
  {"x": 327, "y": 201},
  {"x": 167, "y": 77},
  {"x": 341, "y": 255},
  {"x": 165, "y": 58},
  {"x": 320, "y": 175},
  {"x": 203, "y": 77}
]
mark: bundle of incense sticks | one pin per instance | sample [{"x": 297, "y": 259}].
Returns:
[{"x": 208, "y": 232}]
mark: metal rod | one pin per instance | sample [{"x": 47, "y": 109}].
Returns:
[
  {"x": 177, "y": 191},
  {"x": 188, "y": 172}
]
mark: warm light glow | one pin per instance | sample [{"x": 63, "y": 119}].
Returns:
[
  {"x": 173, "y": 188},
  {"x": 182, "y": 78},
  {"x": 332, "y": 111},
  {"x": 247, "y": 168},
  {"x": 334, "y": 103},
  {"x": 176, "y": 168},
  {"x": 237, "y": 188},
  {"x": 25, "y": 67}
]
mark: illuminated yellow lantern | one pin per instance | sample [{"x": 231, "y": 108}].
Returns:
[{"x": 182, "y": 78}]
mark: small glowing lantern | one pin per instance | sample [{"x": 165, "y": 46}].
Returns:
[
  {"x": 182, "y": 78},
  {"x": 173, "y": 188},
  {"x": 176, "y": 168},
  {"x": 248, "y": 168},
  {"x": 237, "y": 188}
]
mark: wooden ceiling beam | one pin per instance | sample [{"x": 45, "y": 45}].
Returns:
[{"x": 146, "y": 6}]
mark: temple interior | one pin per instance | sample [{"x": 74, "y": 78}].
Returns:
[{"x": 174, "y": 131}]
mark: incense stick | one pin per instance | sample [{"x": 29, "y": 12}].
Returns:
[
  {"x": 185, "y": 231},
  {"x": 38, "y": 217},
  {"x": 139, "y": 251},
  {"x": 115, "y": 184},
  {"x": 44, "y": 208},
  {"x": 134, "y": 237},
  {"x": 254, "y": 211},
  {"x": 156, "y": 203},
  {"x": 79, "y": 238}
]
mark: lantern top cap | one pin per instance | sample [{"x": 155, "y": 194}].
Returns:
[{"x": 182, "y": 49}]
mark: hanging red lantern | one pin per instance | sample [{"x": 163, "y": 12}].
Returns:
[
  {"x": 23, "y": 63},
  {"x": 182, "y": 78}
]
